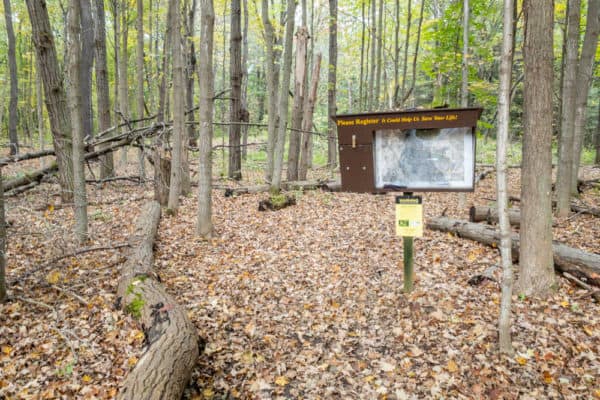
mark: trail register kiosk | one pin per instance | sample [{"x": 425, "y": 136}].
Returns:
[{"x": 408, "y": 151}]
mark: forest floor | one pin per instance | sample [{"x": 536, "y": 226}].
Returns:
[{"x": 305, "y": 302}]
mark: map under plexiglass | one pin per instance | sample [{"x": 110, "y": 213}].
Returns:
[{"x": 424, "y": 158}]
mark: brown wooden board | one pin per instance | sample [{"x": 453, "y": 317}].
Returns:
[{"x": 356, "y": 137}]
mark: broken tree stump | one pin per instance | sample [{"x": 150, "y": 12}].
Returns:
[
  {"x": 579, "y": 263},
  {"x": 171, "y": 340}
]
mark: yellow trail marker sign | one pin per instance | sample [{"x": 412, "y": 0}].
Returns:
[{"x": 409, "y": 216}]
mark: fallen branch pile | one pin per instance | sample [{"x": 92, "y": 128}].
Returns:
[{"x": 171, "y": 339}]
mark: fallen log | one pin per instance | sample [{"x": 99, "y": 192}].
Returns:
[
  {"x": 490, "y": 215},
  {"x": 27, "y": 179},
  {"x": 26, "y": 156},
  {"x": 172, "y": 343},
  {"x": 579, "y": 263},
  {"x": 575, "y": 207},
  {"x": 331, "y": 186}
]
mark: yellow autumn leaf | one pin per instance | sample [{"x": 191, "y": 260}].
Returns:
[
  {"x": 521, "y": 360},
  {"x": 53, "y": 277},
  {"x": 139, "y": 335},
  {"x": 452, "y": 366},
  {"x": 86, "y": 378},
  {"x": 6, "y": 350},
  {"x": 547, "y": 377},
  {"x": 369, "y": 378},
  {"x": 564, "y": 303},
  {"x": 208, "y": 393},
  {"x": 50, "y": 207},
  {"x": 597, "y": 393},
  {"x": 588, "y": 330},
  {"x": 247, "y": 357},
  {"x": 132, "y": 361},
  {"x": 281, "y": 381}
]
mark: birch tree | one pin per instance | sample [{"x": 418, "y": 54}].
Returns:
[{"x": 204, "y": 225}]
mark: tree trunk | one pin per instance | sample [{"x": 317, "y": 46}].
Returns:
[
  {"x": 307, "y": 121},
  {"x": 379, "y": 61},
  {"x": 536, "y": 272},
  {"x": 245, "y": 117},
  {"x": 272, "y": 77},
  {"x": 464, "y": 88},
  {"x": 178, "y": 108},
  {"x": 14, "y": 90},
  {"x": 406, "y": 44},
  {"x": 362, "y": 56},
  {"x": 139, "y": 66},
  {"x": 3, "y": 246},
  {"x": 86, "y": 64},
  {"x": 56, "y": 102},
  {"x": 584, "y": 78},
  {"x": 102, "y": 87},
  {"x": 506, "y": 64},
  {"x": 172, "y": 341},
  {"x": 597, "y": 160},
  {"x": 564, "y": 258},
  {"x": 76, "y": 112},
  {"x": 39, "y": 104},
  {"x": 123, "y": 78},
  {"x": 331, "y": 86},
  {"x": 372, "y": 43},
  {"x": 491, "y": 214},
  {"x": 204, "y": 225},
  {"x": 567, "y": 124},
  {"x": 413, "y": 80},
  {"x": 192, "y": 137},
  {"x": 299, "y": 89},
  {"x": 235, "y": 79},
  {"x": 283, "y": 97}
]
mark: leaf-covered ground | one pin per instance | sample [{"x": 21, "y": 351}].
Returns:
[{"x": 305, "y": 302}]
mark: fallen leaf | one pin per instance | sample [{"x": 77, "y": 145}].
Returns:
[
  {"x": 132, "y": 361},
  {"x": 281, "y": 381},
  {"x": 452, "y": 366}
]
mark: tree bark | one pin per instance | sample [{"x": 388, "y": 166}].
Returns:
[
  {"x": 123, "y": 78},
  {"x": 584, "y": 78},
  {"x": 299, "y": 89},
  {"x": 272, "y": 77},
  {"x": 14, "y": 82},
  {"x": 86, "y": 64},
  {"x": 204, "y": 225},
  {"x": 192, "y": 137},
  {"x": 76, "y": 112},
  {"x": 102, "y": 87},
  {"x": 372, "y": 43},
  {"x": 362, "y": 56},
  {"x": 307, "y": 122},
  {"x": 506, "y": 64},
  {"x": 178, "y": 109},
  {"x": 597, "y": 160},
  {"x": 245, "y": 117},
  {"x": 139, "y": 66},
  {"x": 56, "y": 101},
  {"x": 491, "y": 214},
  {"x": 564, "y": 258},
  {"x": 379, "y": 61},
  {"x": 331, "y": 86},
  {"x": 235, "y": 79},
  {"x": 283, "y": 97},
  {"x": 567, "y": 124},
  {"x": 413, "y": 80},
  {"x": 536, "y": 272},
  {"x": 172, "y": 341}
]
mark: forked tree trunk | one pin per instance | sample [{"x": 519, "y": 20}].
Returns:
[
  {"x": 206, "y": 85},
  {"x": 165, "y": 368},
  {"x": 56, "y": 100},
  {"x": 307, "y": 122},
  {"x": 299, "y": 89}
]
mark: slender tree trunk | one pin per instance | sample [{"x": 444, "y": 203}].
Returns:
[
  {"x": 567, "y": 123},
  {"x": 396, "y": 54},
  {"x": 75, "y": 108},
  {"x": 283, "y": 97},
  {"x": 235, "y": 79},
  {"x": 86, "y": 64},
  {"x": 123, "y": 78},
  {"x": 3, "y": 246},
  {"x": 413, "y": 80},
  {"x": 597, "y": 160},
  {"x": 506, "y": 64},
  {"x": 39, "y": 100},
  {"x": 178, "y": 108},
  {"x": 379, "y": 61},
  {"x": 14, "y": 90},
  {"x": 307, "y": 121},
  {"x": 331, "y": 86},
  {"x": 373, "y": 44},
  {"x": 192, "y": 137},
  {"x": 362, "y": 57},
  {"x": 464, "y": 89},
  {"x": 204, "y": 225},
  {"x": 163, "y": 92},
  {"x": 272, "y": 77},
  {"x": 536, "y": 265},
  {"x": 406, "y": 45},
  {"x": 299, "y": 89},
  {"x": 584, "y": 78},
  {"x": 102, "y": 87},
  {"x": 139, "y": 66},
  {"x": 245, "y": 117},
  {"x": 56, "y": 102}
]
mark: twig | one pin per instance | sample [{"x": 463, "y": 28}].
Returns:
[
  {"x": 591, "y": 291},
  {"x": 72, "y": 294}
]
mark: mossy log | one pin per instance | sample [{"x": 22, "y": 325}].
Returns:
[
  {"x": 171, "y": 340},
  {"x": 579, "y": 263}
]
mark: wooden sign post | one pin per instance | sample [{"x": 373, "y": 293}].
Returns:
[{"x": 409, "y": 224}]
